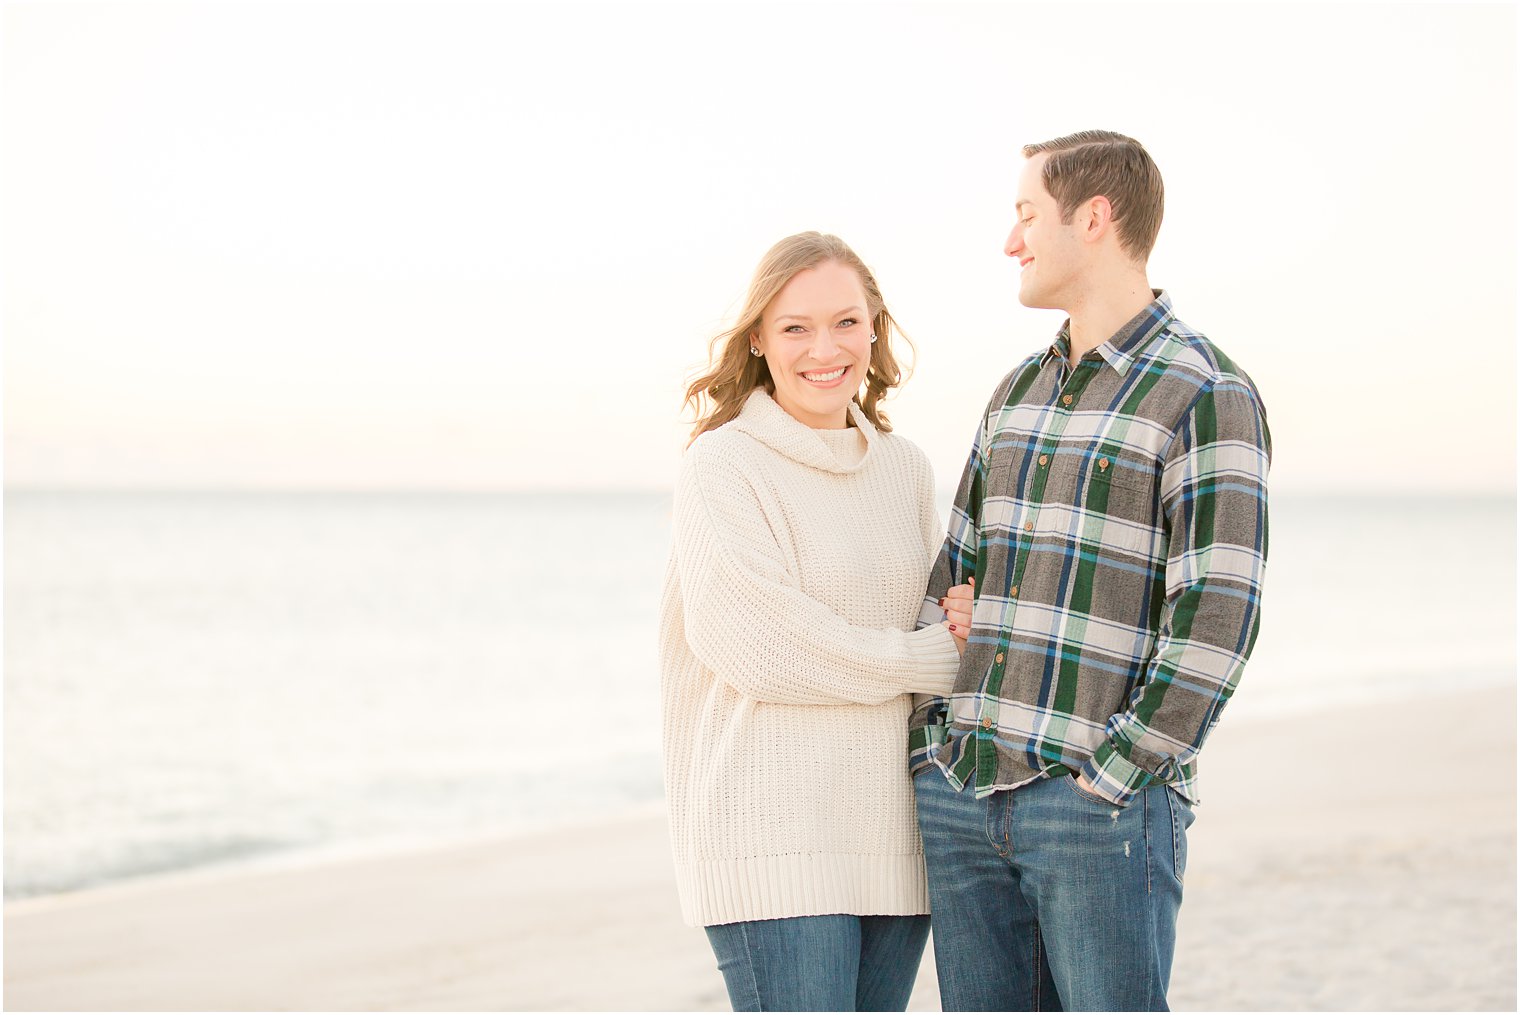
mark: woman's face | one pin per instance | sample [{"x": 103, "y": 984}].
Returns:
[{"x": 816, "y": 338}]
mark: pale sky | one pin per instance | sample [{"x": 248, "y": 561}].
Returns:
[{"x": 426, "y": 245}]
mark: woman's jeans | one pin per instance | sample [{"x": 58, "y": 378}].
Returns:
[
  {"x": 1048, "y": 898},
  {"x": 820, "y": 963}
]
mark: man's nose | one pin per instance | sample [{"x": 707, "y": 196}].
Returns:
[{"x": 1014, "y": 243}]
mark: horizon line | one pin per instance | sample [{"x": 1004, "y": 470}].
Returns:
[{"x": 1338, "y": 492}]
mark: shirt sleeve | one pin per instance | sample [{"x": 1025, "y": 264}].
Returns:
[
  {"x": 956, "y": 560},
  {"x": 749, "y": 622},
  {"x": 954, "y": 563},
  {"x": 1214, "y": 503}
]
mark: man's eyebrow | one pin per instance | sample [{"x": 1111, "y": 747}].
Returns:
[
  {"x": 800, "y": 317},
  {"x": 1019, "y": 204}
]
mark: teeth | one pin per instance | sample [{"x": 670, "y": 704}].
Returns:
[{"x": 830, "y": 376}]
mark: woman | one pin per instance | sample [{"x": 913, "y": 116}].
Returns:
[{"x": 804, "y": 531}]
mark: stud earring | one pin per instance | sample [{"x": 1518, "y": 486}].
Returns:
[
  {"x": 873, "y": 337},
  {"x": 753, "y": 351}
]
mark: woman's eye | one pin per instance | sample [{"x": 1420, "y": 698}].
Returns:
[
  {"x": 792, "y": 329},
  {"x": 1025, "y": 222},
  {"x": 847, "y": 322}
]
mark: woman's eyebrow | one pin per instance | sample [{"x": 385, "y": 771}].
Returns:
[{"x": 800, "y": 317}]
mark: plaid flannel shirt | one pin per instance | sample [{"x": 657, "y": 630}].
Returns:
[{"x": 1115, "y": 518}]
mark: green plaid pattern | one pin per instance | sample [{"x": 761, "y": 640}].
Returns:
[{"x": 1115, "y": 518}]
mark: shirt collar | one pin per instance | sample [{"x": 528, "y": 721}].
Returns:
[{"x": 1121, "y": 351}]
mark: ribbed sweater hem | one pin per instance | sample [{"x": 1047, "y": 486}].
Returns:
[{"x": 813, "y": 884}]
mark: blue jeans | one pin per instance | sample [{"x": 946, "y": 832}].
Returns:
[
  {"x": 820, "y": 963},
  {"x": 1048, "y": 898}
]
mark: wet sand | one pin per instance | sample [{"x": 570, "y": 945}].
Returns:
[{"x": 1360, "y": 858}]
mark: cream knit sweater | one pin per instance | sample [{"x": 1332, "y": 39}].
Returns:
[{"x": 788, "y": 655}]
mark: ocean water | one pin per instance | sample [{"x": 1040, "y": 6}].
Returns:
[{"x": 193, "y": 679}]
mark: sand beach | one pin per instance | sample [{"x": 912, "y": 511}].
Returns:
[{"x": 1311, "y": 886}]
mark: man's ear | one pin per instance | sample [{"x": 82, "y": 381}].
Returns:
[{"x": 1098, "y": 218}]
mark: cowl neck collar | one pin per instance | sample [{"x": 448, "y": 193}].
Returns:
[{"x": 774, "y": 427}]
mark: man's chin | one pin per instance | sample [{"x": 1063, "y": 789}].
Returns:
[
  {"x": 1034, "y": 302},
  {"x": 1040, "y": 299}
]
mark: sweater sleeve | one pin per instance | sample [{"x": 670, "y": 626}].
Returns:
[{"x": 748, "y": 621}]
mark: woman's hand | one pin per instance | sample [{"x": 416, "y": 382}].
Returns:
[{"x": 957, "y": 607}]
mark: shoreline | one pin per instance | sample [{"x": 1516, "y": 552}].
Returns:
[
  {"x": 1477, "y": 680},
  {"x": 314, "y": 857},
  {"x": 1305, "y": 890}
]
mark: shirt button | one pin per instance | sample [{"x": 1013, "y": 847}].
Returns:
[
  {"x": 1029, "y": 526},
  {"x": 987, "y": 723},
  {"x": 1102, "y": 464},
  {"x": 1013, "y": 591},
  {"x": 1044, "y": 459},
  {"x": 1000, "y": 657},
  {"x": 1065, "y": 399}
]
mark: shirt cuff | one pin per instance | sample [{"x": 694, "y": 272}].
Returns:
[
  {"x": 1114, "y": 777},
  {"x": 926, "y": 734}
]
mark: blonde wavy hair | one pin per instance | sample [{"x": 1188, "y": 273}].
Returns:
[{"x": 733, "y": 374}]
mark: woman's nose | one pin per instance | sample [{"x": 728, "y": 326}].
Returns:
[{"x": 825, "y": 345}]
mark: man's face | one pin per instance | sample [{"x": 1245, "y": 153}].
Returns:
[{"x": 1050, "y": 253}]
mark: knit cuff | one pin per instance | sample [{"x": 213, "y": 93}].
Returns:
[{"x": 936, "y": 660}]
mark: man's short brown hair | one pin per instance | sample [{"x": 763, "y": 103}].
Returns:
[{"x": 1101, "y": 163}]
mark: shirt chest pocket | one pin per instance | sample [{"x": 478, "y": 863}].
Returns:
[{"x": 1114, "y": 500}]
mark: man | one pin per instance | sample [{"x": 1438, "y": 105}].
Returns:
[{"x": 1113, "y": 515}]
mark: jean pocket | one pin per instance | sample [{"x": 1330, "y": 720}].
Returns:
[
  {"x": 1082, "y": 794},
  {"x": 1182, "y": 816}
]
